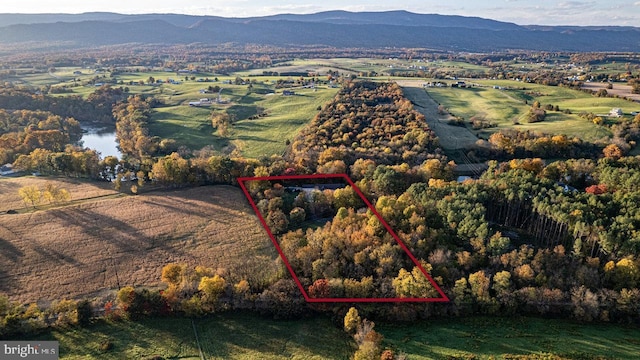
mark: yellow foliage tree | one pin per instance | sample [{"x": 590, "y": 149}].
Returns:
[
  {"x": 172, "y": 274},
  {"x": 211, "y": 288},
  {"x": 352, "y": 320},
  {"x": 30, "y": 195}
]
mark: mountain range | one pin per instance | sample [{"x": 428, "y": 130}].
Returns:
[{"x": 331, "y": 28}]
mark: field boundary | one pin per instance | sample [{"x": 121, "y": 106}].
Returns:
[{"x": 242, "y": 180}]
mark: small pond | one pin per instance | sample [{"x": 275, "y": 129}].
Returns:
[{"x": 102, "y": 140}]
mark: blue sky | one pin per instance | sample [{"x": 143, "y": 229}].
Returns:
[{"x": 544, "y": 12}]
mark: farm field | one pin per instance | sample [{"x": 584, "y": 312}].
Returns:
[
  {"x": 191, "y": 126},
  {"x": 286, "y": 116},
  {"x": 91, "y": 248},
  {"x": 384, "y": 67},
  {"x": 504, "y": 106},
  {"x": 249, "y": 336},
  {"x": 78, "y": 189},
  {"x": 618, "y": 89},
  {"x": 450, "y": 137},
  {"x": 264, "y": 136},
  {"x": 492, "y": 338},
  {"x": 224, "y": 336}
]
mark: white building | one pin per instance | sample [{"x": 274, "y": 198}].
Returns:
[{"x": 615, "y": 112}]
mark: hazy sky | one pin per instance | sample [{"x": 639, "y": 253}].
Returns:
[{"x": 552, "y": 12}]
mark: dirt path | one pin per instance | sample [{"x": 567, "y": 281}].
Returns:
[{"x": 451, "y": 137}]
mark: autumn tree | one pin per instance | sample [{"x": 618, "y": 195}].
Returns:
[
  {"x": 612, "y": 151},
  {"x": 352, "y": 321},
  {"x": 211, "y": 288},
  {"x": 54, "y": 194},
  {"x": 31, "y": 195},
  {"x": 172, "y": 170},
  {"x": 172, "y": 274},
  {"x": 368, "y": 341},
  {"x": 221, "y": 121},
  {"x": 277, "y": 221}
]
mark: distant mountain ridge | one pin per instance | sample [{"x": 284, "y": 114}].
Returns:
[{"x": 330, "y": 28}]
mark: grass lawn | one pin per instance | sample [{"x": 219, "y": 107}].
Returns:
[
  {"x": 286, "y": 116},
  {"x": 189, "y": 126},
  {"x": 496, "y": 337},
  {"x": 249, "y": 336},
  {"x": 502, "y": 107},
  {"x": 224, "y": 336}
]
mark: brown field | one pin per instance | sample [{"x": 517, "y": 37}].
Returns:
[
  {"x": 78, "y": 189},
  {"x": 621, "y": 90},
  {"x": 88, "y": 249}
]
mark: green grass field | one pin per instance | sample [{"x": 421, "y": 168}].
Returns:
[
  {"x": 504, "y": 106},
  {"x": 249, "y": 336},
  {"x": 286, "y": 116},
  {"x": 265, "y": 136},
  {"x": 492, "y": 338},
  {"x": 226, "y": 336},
  {"x": 189, "y": 126}
]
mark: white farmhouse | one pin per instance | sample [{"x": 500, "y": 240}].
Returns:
[{"x": 615, "y": 112}]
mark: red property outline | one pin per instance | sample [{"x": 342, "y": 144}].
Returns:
[{"x": 241, "y": 181}]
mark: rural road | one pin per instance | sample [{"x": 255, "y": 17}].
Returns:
[{"x": 450, "y": 137}]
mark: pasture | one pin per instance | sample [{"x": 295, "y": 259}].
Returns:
[
  {"x": 383, "y": 67},
  {"x": 92, "y": 247},
  {"x": 80, "y": 190},
  {"x": 619, "y": 89},
  {"x": 235, "y": 336},
  {"x": 506, "y": 105},
  {"x": 493, "y": 338},
  {"x": 263, "y": 136},
  {"x": 286, "y": 115},
  {"x": 250, "y": 336}
]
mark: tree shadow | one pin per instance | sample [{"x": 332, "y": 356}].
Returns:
[{"x": 7, "y": 249}]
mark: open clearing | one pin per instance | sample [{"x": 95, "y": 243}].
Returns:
[
  {"x": 78, "y": 189},
  {"x": 450, "y": 137},
  {"x": 490, "y": 338},
  {"x": 618, "y": 89},
  {"x": 225, "y": 336},
  {"x": 88, "y": 249},
  {"x": 252, "y": 137},
  {"x": 287, "y": 115},
  {"x": 503, "y": 101},
  {"x": 249, "y": 336}
]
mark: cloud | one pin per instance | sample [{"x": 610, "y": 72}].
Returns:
[
  {"x": 575, "y": 5},
  {"x": 292, "y": 8}
]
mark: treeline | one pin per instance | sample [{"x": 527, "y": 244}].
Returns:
[
  {"x": 512, "y": 143},
  {"x": 132, "y": 118},
  {"x": 23, "y": 131},
  {"x": 96, "y": 109},
  {"x": 515, "y": 241},
  {"x": 72, "y": 161},
  {"x": 19, "y": 319}
]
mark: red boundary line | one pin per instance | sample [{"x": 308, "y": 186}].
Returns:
[{"x": 241, "y": 181}]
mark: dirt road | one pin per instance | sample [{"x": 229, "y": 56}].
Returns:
[{"x": 451, "y": 137}]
